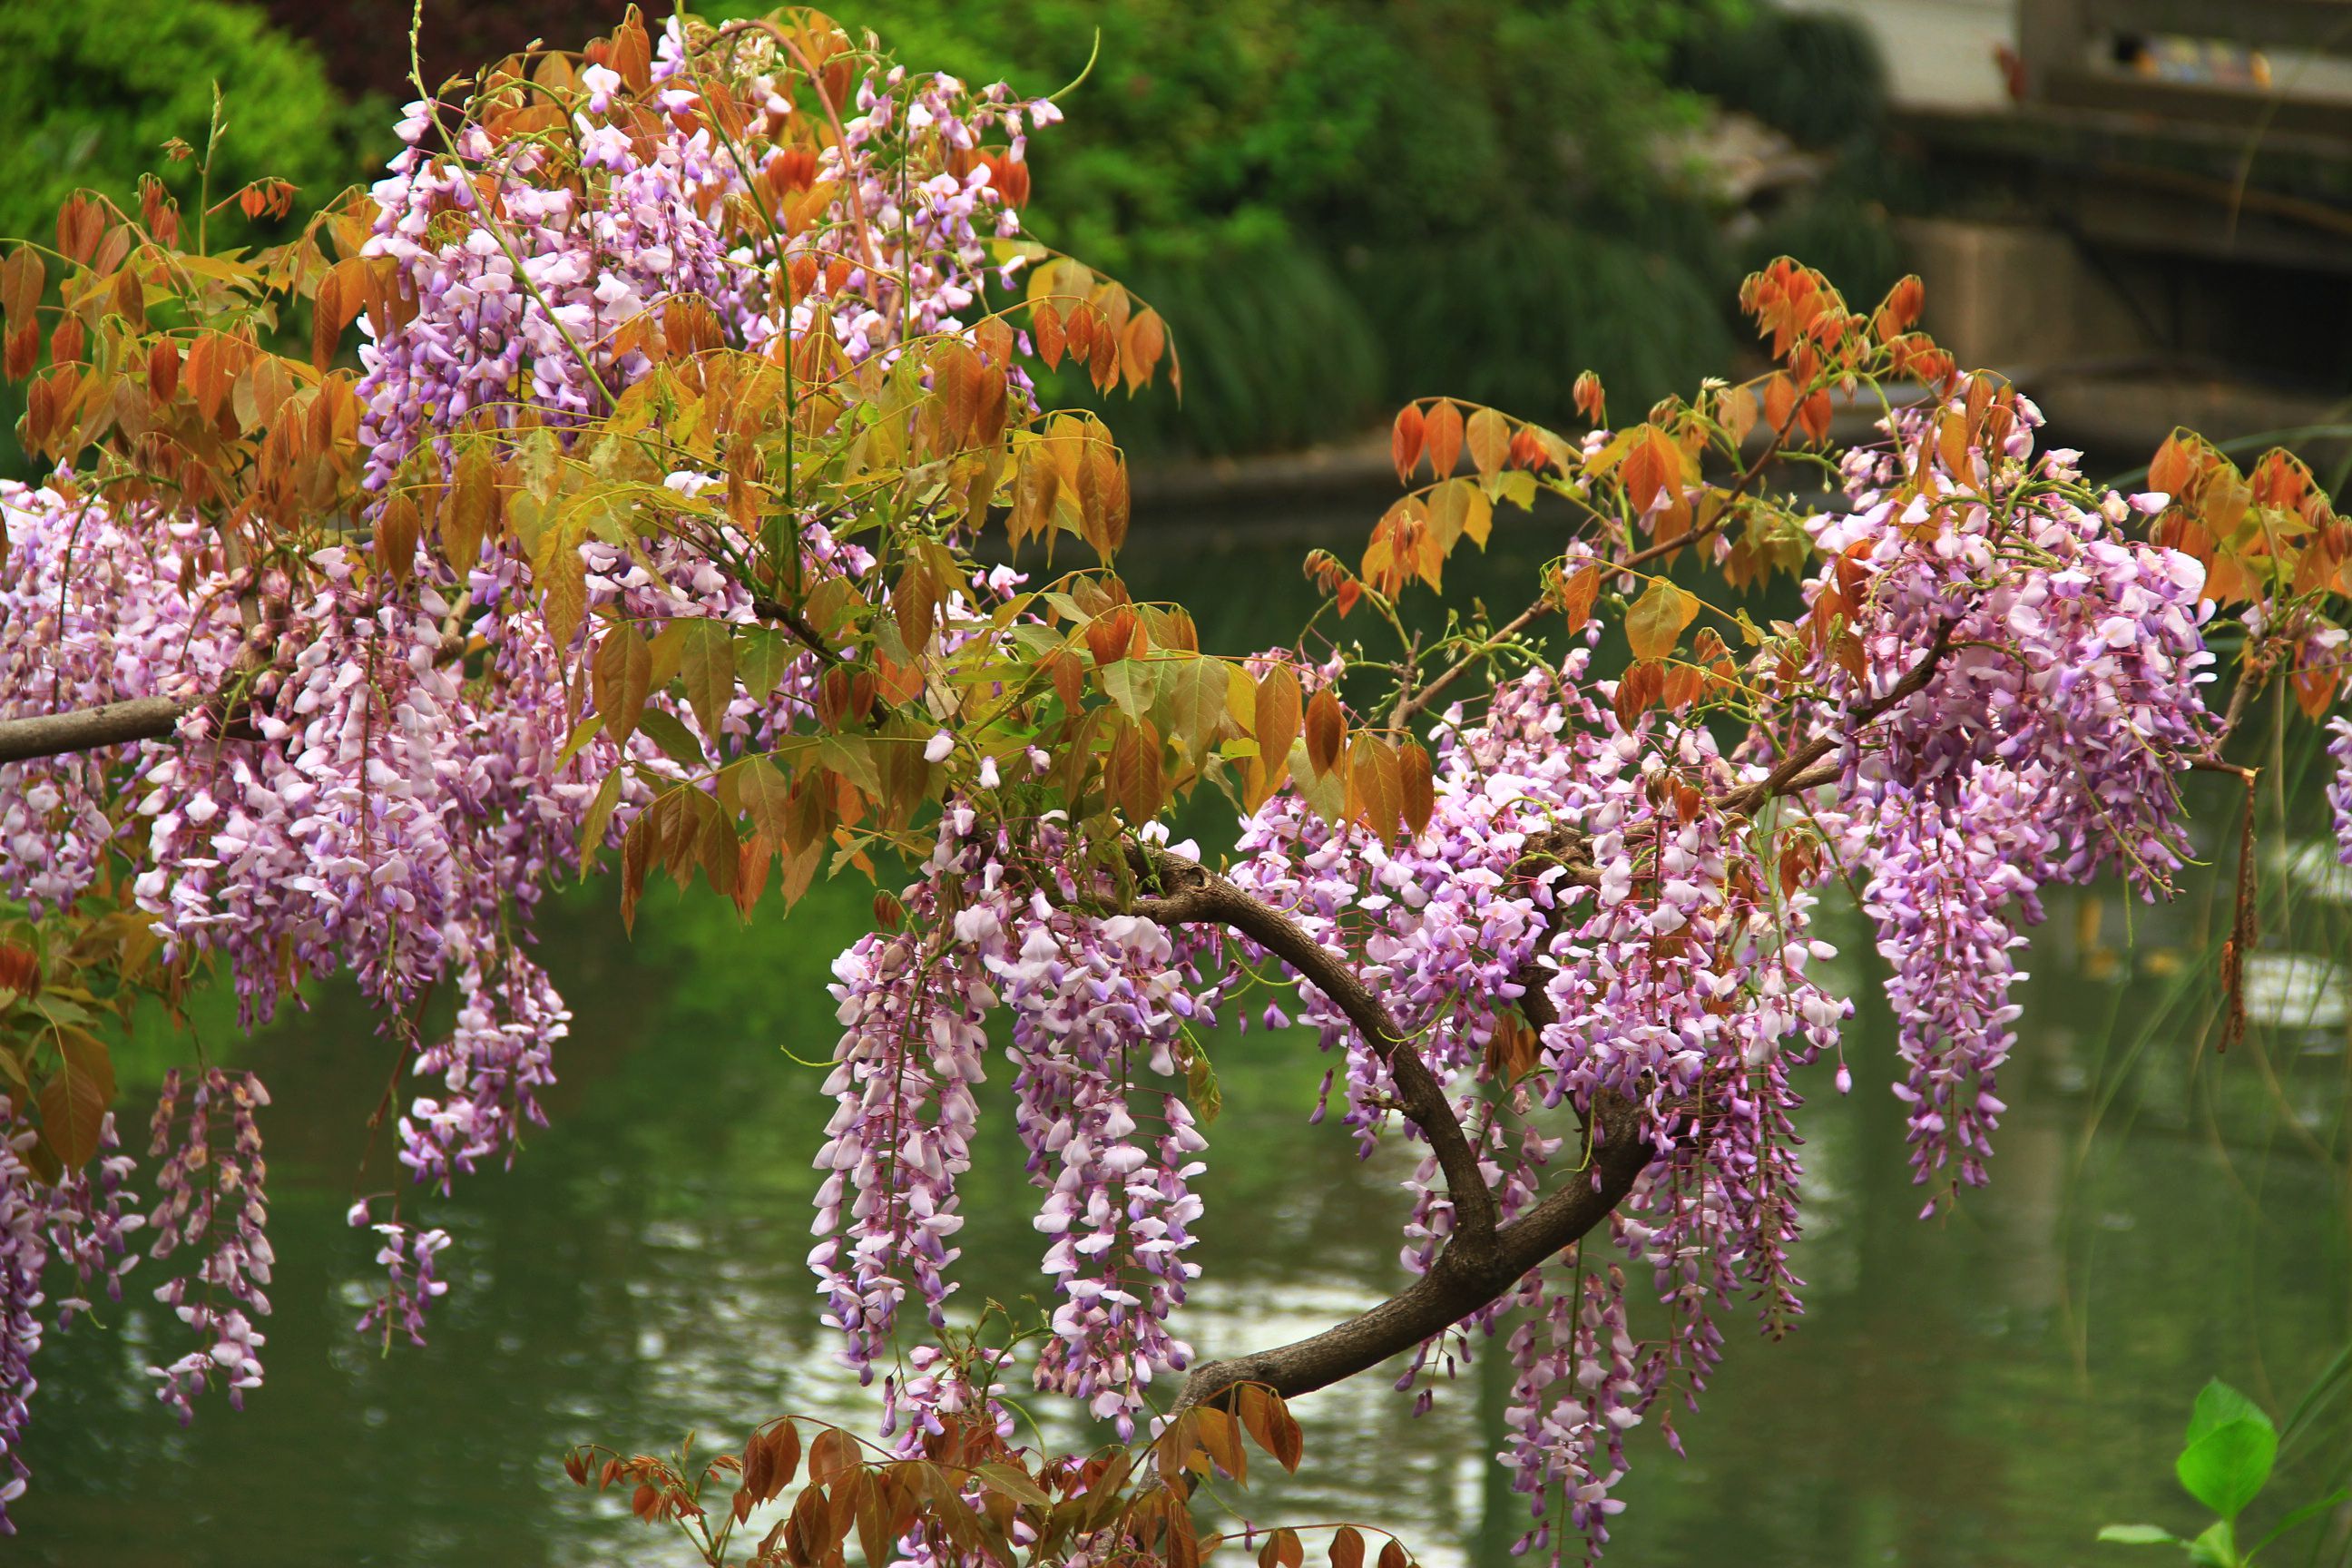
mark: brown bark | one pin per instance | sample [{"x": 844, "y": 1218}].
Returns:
[{"x": 90, "y": 729}]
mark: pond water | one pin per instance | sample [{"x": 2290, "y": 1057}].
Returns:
[{"x": 1984, "y": 1388}]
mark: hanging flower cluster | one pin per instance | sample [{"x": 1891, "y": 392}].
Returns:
[
  {"x": 2339, "y": 787},
  {"x": 210, "y": 1195},
  {"x": 540, "y": 267},
  {"x": 99, "y": 604},
  {"x": 2061, "y": 706},
  {"x": 1099, "y": 1007},
  {"x": 84, "y": 1221},
  {"x": 372, "y": 773},
  {"x": 1580, "y": 875}
]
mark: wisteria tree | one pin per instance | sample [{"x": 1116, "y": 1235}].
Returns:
[{"x": 693, "y": 505}]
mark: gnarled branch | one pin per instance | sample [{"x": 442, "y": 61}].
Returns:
[
  {"x": 1470, "y": 1271},
  {"x": 143, "y": 718},
  {"x": 1797, "y": 770},
  {"x": 1195, "y": 895},
  {"x": 1456, "y": 1285}
]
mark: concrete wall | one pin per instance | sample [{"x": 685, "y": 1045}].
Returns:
[{"x": 2016, "y": 297}]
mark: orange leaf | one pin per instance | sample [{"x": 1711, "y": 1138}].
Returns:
[
  {"x": 1374, "y": 782},
  {"x": 1815, "y": 416},
  {"x": 1656, "y": 620},
  {"x": 1046, "y": 322},
  {"x": 2169, "y": 469},
  {"x": 1577, "y": 591},
  {"x": 1405, "y": 439},
  {"x": 1489, "y": 435},
  {"x": 1140, "y": 348},
  {"x": 1441, "y": 431},
  {"x": 1591, "y": 401},
  {"x": 1327, "y": 730},
  {"x": 633, "y": 53},
  {"x": 1637, "y": 690},
  {"x": 2314, "y": 690},
  {"x": 1278, "y": 717},
  {"x": 1420, "y": 800},
  {"x": 1109, "y": 636}
]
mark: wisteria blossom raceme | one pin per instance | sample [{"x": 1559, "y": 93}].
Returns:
[
  {"x": 412, "y": 1282},
  {"x": 373, "y": 774},
  {"x": 1576, "y": 874},
  {"x": 23, "y": 1256},
  {"x": 536, "y": 274},
  {"x": 2076, "y": 654},
  {"x": 1095, "y": 1003},
  {"x": 99, "y": 604},
  {"x": 210, "y": 1197},
  {"x": 2063, "y": 702}
]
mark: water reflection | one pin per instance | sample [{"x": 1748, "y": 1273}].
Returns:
[{"x": 1986, "y": 1388}]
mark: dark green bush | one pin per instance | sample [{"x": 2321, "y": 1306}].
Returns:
[
  {"x": 1816, "y": 78},
  {"x": 94, "y": 91}
]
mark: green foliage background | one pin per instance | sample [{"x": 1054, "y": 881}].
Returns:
[
  {"x": 94, "y": 90},
  {"x": 1336, "y": 203}
]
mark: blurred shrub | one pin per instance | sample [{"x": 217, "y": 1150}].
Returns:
[
  {"x": 1276, "y": 352},
  {"x": 1847, "y": 236},
  {"x": 1816, "y": 78},
  {"x": 1510, "y": 316},
  {"x": 94, "y": 90}
]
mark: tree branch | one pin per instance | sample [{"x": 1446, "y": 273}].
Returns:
[
  {"x": 793, "y": 621},
  {"x": 1797, "y": 771},
  {"x": 1455, "y": 1286},
  {"x": 1465, "y": 1275},
  {"x": 1197, "y": 895},
  {"x": 139, "y": 719},
  {"x": 1413, "y": 703},
  {"x": 90, "y": 728}
]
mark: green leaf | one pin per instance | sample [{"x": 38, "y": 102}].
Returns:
[
  {"x": 2217, "y": 1406},
  {"x": 594, "y": 727},
  {"x": 676, "y": 742},
  {"x": 562, "y": 579},
  {"x": 1656, "y": 622},
  {"x": 2139, "y": 1535},
  {"x": 707, "y": 664},
  {"x": 2309, "y": 1510},
  {"x": 1196, "y": 703},
  {"x": 1012, "y": 1483},
  {"x": 2228, "y": 1465},
  {"x": 853, "y": 759},
  {"x": 1516, "y": 486},
  {"x": 2216, "y": 1547},
  {"x": 599, "y": 818},
  {"x": 623, "y": 678},
  {"x": 763, "y": 654},
  {"x": 767, "y": 797},
  {"x": 1201, "y": 1087},
  {"x": 1132, "y": 684}
]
